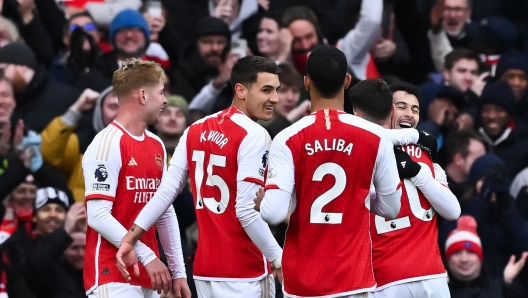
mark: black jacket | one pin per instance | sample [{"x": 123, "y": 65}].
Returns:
[
  {"x": 31, "y": 260},
  {"x": 43, "y": 100},
  {"x": 483, "y": 287},
  {"x": 68, "y": 280}
]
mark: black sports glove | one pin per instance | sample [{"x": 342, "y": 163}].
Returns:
[
  {"x": 428, "y": 143},
  {"x": 407, "y": 168}
]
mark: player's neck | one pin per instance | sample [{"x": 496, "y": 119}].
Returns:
[
  {"x": 320, "y": 103},
  {"x": 237, "y": 103},
  {"x": 131, "y": 122}
]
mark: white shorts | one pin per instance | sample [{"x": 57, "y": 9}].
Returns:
[
  {"x": 117, "y": 289},
  {"x": 427, "y": 288},
  {"x": 360, "y": 295},
  {"x": 264, "y": 288}
]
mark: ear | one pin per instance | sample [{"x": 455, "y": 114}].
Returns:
[
  {"x": 458, "y": 160},
  {"x": 446, "y": 75},
  {"x": 142, "y": 96},
  {"x": 307, "y": 83},
  {"x": 348, "y": 79},
  {"x": 241, "y": 91}
]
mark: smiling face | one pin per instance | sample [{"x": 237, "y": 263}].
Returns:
[
  {"x": 465, "y": 265},
  {"x": 494, "y": 120},
  {"x": 130, "y": 42},
  {"x": 407, "y": 113},
  {"x": 261, "y": 96},
  {"x": 154, "y": 102},
  {"x": 268, "y": 39},
  {"x": 49, "y": 217}
]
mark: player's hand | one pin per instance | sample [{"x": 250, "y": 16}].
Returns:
[
  {"x": 126, "y": 257},
  {"x": 428, "y": 143},
  {"x": 159, "y": 276},
  {"x": 260, "y": 197},
  {"x": 278, "y": 271},
  {"x": 180, "y": 288},
  {"x": 514, "y": 268},
  {"x": 407, "y": 168}
]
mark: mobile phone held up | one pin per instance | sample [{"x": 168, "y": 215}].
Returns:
[
  {"x": 154, "y": 8},
  {"x": 239, "y": 46}
]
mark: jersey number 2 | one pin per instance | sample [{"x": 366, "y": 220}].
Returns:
[
  {"x": 385, "y": 226},
  {"x": 316, "y": 214},
  {"x": 211, "y": 180}
]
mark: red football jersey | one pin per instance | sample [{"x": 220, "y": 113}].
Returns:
[
  {"x": 406, "y": 249},
  {"x": 125, "y": 170},
  {"x": 220, "y": 150},
  {"x": 329, "y": 159}
]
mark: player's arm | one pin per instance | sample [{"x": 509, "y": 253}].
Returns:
[
  {"x": 171, "y": 185},
  {"x": 402, "y": 137},
  {"x": 386, "y": 181},
  {"x": 169, "y": 233},
  {"x": 279, "y": 184},
  {"x": 437, "y": 192},
  {"x": 252, "y": 156},
  {"x": 100, "y": 219}
]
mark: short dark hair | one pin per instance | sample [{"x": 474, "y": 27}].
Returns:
[
  {"x": 327, "y": 68},
  {"x": 289, "y": 76},
  {"x": 246, "y": 70},
  {"x": 458, "y": 143},
  {"x": 405, "y": 87},
  {"x": 458, "y": 54},
  {"x": 372, "y": 97}
]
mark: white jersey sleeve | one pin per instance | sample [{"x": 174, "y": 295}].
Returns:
[
  {"x": 386, "y": 179},
  {"x": 101, "y": 165},
  {"x": 179, "y": 158},
  {"x": 281, "y": 170},
  {"x": 402, "y": 137},
  {"x": 252, "y": 157}
]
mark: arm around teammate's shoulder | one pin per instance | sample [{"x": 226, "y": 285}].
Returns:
[{"x": 437, "y": 193}]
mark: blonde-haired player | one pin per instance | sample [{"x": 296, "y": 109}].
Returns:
[{"x": 123, "y": 167}]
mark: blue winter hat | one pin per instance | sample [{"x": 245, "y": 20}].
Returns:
[
  {"x": 128, "y": 18},
  {"x": 512, "y": 59},
  {"x": 483, "y": 166}
]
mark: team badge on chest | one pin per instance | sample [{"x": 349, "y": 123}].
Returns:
[{"x": 159, "y": 161}]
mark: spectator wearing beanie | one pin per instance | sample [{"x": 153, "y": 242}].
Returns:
[
  {"x": 129, "y": 37},
  {"x": 497, "y": 124},
  {"x": 513, "y": 69},
  {"x": 502, "y": 228},
  {"x": 198, "y": 76},
  {"x": 467, "y": 277},
  {"x": 38, "y": 100},
  {"x": 33, "y": 253}
]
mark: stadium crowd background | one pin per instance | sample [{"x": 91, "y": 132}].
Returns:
[{"x": 470, "y": 61}]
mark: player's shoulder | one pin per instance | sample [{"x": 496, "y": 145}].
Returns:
[
  {"x": 204, "y": 119},
  {"x": 104, "y": 142},
  {"x": 295, "y": 128},
  {"x": 359, "y": 122}
]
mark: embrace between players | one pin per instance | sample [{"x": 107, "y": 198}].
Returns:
[{"x": 362, "y": 213}]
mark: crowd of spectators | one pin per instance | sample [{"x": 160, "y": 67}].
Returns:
[{"x": 469, "y": 60}]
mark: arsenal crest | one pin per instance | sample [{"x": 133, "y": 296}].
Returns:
[{"x": 159, "y": 161}]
